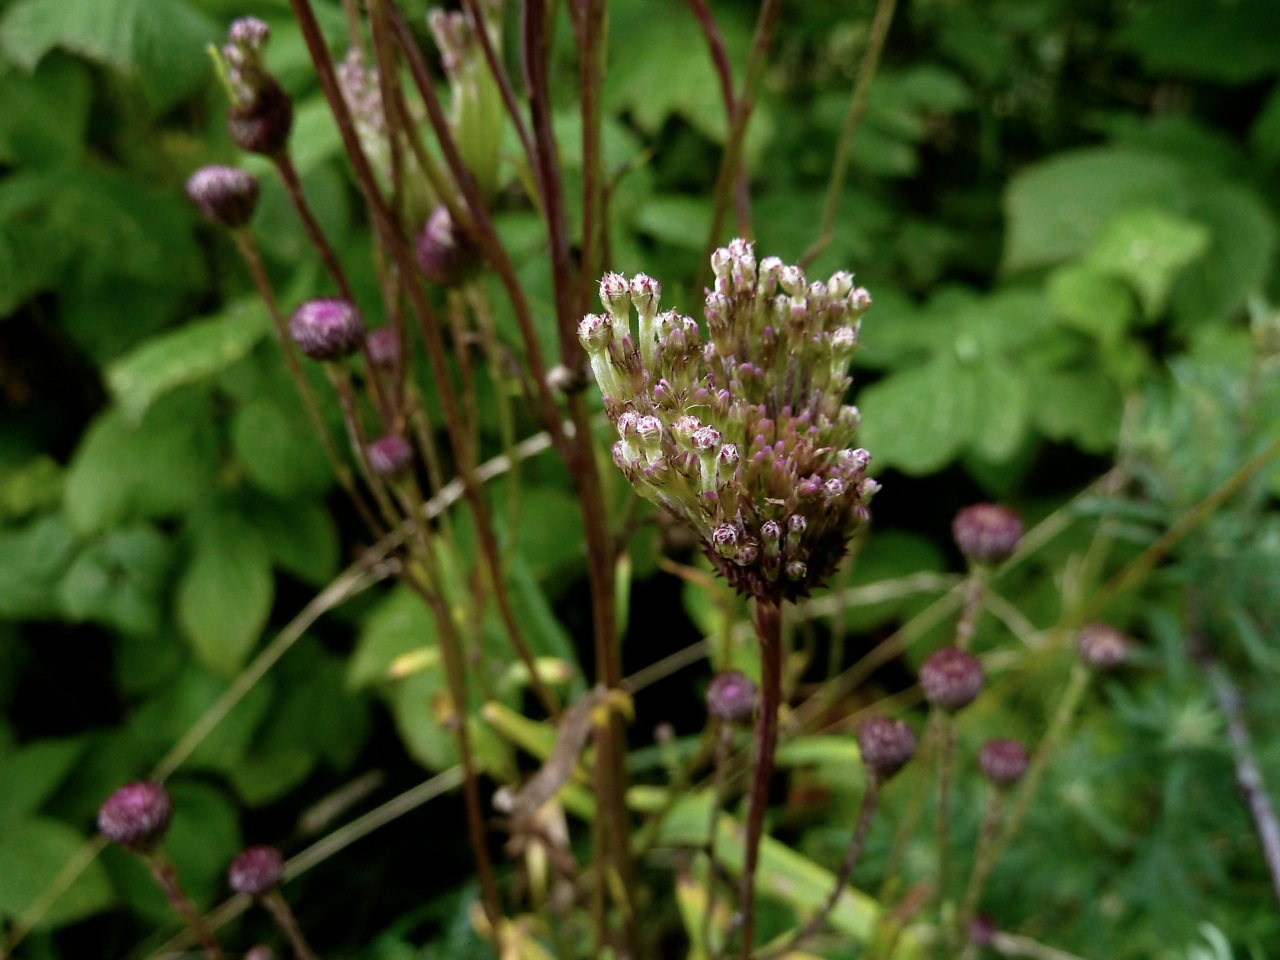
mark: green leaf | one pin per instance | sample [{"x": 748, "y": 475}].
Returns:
[
  {"x": 33, "y": 487},
  {"x": 278, "y": 447},
  {"x": 1002, "y": 402},
  {"x": 1149, "y": 248},
  {"x": 32, "y": 561},
  {"x": 399, "y": 624},
  {"x": 33, "y": 773},
  {"x": 1264, "y": 135},
  {"x": 678, "y": 220},
  {"x": 224, "y": 595},
  {"x": 1236, "y": 264},
  {"x": 204, "y": 837},
  {"x": 1057, "y": 209},
  {"x": 45, "y": 114},
  {"x": 160, "y": 467},
  {"x": 300, "y": 535},
  {"x": 1231, "y": 42},
  {"x": 544, "y": 634},
  {"x": 34, "y": 852},
  {"x": 1082, "y": 407},
  {"x": 184, "y": 356},
  {"x": 120, "y": 581},
  {"x": 416, "y": 702},
  {"x": 917, "y": 420},
  {"x": 1091, "y": 301},
  {"x": 160, "y": 41}
]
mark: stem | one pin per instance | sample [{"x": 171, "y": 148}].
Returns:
[
  {"x": 768, "y": 623},
  {"x": 274, "y": 901},
  {"x": 724, "y": 745},
  {"x": 166, "y": 875},
  {"x": 942, "y": 825},
  {"x": 592, "y": 36},
  {"x": 880, "y": 24},
  {"x": 983, "y": 861},
  {"x": 975, "y": 592},
  {"x": 851, "y": 854}
]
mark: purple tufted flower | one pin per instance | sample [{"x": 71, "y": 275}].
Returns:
[
  {"x": 136, "y": 816},
  {"x": 327, "y": 329}
]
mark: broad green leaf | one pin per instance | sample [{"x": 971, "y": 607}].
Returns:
[
  {"x": 278, "y": 447},
  {"x": 1231, "y": 42},
  {"x": 184, "y": 356},
  {"x": 32, "y": 561},
  {"x": 33, "y": 487},
  {"x": 417, "y": 703},
  {"x": 45, "y": 114},
  {"x": 1149, "y": 247},
  {"x": 161, "y": 42},
  {"x": 31, "y": 774},
  {"x": 544, "y": 634},
  {"x": 1057, "y": 209},
  {"x": 34, "y": 851},
  {"x": 204, "y": 837},
  {"x": 300, "y": 535},
  {"x": 1002, "y": 402},
  {"x": 917, "y": 420},
  {"x": 1079, "y": 406},
  {"x": 1091, "y": 301},
  {"x": 120, "y": 581},
  {"x": 224, "y": 595},
  {"x": 1236, "y": 264},
  {"x": 678, "y": 220},
  {"x": 399, "y": 624},
  {"x": 1265, "y": 133},
  {"x": 160, "y": 467}
]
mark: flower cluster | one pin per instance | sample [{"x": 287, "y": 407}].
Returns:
[{"x": 741, "y": 432}]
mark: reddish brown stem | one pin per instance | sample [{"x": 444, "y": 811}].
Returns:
[
  {"x": 275, "y": 903},
  {"x": 166, "y": 875}
]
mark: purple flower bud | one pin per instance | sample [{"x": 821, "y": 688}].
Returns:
[
  {"x": 383, "y": 347},
  {"x": 725, "y": 540},
  {"x": 615, "y": 294},
  {"x": 844, "y": 343},
  {"x": 729, "y": 455},
  {"x": 797, "y": 569},
  {"x": 1102, "y": 646},
  {"x": 136, "y": 816},
  {"x": 255, "y": 871},
  {"x": 982, "y": 931},
  {"x": 950, "y": 678},
  {"x": 390, "y": 455},
  {"x": 987, "y": 532},
  {"x": 886, "y": 746},
  {"x": 860, "y": 301},
  {"x": 226, "y": 195},
  {"x": 840, "y": 284},
  {"x": 249, "y": 32},
  {"x": 595, "y": 331},
  {"x": 262, "y": 123},
  {"x": 705, "y": 438},
  {"x": 260, "y": 952},
  {"x": 1003, "y": 762},
  {"x": 443, "y": 251},
  {"x": 327, "y": 329},
  {"x": 645, "y": 294},
  {"x": 731, "y": 697}
]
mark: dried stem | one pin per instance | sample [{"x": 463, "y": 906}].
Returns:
[
  {"x": 768, "y": 624},
  {"x": 975, "y": 591},
  {"x": 166, "y": 875},
  {"x": 946, "y": 735},
  {"x": 275, "y": 903}
]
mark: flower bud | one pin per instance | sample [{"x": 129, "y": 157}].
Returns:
[
  {"x": 1003, "y": 762},
  {"x": 136, "y": 816},
  {"x": 615, "y": 294},
  {"x": 383, "y": 347},
  {"x": 390, "y": 455},
  {"x": 731, "y": 697},
  {"x": 226, "y": 195},
  {"x": 982, "y": 931},
  {"x": 886, "y": 746},
  {"x": 950, "y": 678},
  {"x": 1102, "y": 646},
  {"x": 444, "y": 253},
  {"x": 987, "y": 532},
  {"x": 262, "y": 123},
  {"x": 255, "y": 871},
  {"x": 725, "y": 540},
  {"x": 645, "y": 294},
  {"x": 260, "y": 952},
  {"x": 327, "y": 329}
]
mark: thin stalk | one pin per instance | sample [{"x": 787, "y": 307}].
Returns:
[
  {"x": 851, "y": 854},
  {"x": 880, "y": 23},
  {"x": 500, "y": 76},
  {"x": 768, "y": 624},
  {"x": 744, "y": 105},
  {"x": 249, "y": 252},
  {"x": 724, "y": 746},
  {"x": 293, "y": 187},
  {"x": 724, "y": 72},
  {"x": 942, "y": 825},
  {"x": 975, "y": 592},
  {"x": 983, "y": 861},
  {"x": 166, "y": 875},
  {"x": 591, "y": 28},
  {"x": 278, "y": 907}
]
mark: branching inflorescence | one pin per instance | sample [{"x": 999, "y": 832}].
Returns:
[{"x": 743, "y": 435}]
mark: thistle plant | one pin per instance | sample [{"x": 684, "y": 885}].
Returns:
[{"x": 739, "y": 429}]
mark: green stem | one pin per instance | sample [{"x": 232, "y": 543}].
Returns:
[{"x": 983, "y": 861}]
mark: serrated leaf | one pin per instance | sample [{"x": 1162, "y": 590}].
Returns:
[
  {"x": 1148, "y": 248},
  {"x": 119, "y": 581},
  {"x": 1091, "y": 301},
  {"x": 1057, "y": 209},
  {"x": 34, "y": 852},
  {"x": 160, "y": 41},
  {"x": 224, "y": 595},
  {"x": 184, "y": 356},
  {"x": 917, "y": 420}
]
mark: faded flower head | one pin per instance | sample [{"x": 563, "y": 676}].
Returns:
[
  {"x": 136, "y": 816},
  {"x": 739, "y": 427},
  {"x": 731, "y": 697},
  {"x": 255, "y": 871},
  {"x": 226, "y": 195},
  {"x": 327, "y": 329},
  {"x": 886, "y": 745},
  {"x": 390, "y": 455},
  {"x": 1102, "y": 647},
  {"x": 951, "y": 679},
  {"x": 987, "y": 532},
  {"x": 261, "y": 114}
]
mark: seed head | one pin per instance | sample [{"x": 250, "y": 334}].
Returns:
[
  {"x": 886, "y": 746},
  {"x": 137, "y": 816},
  {"x": 1003, "y": 761},
  {"x": 327, "y": 329},
  {"x": 987, "y": 533},
  {"x": 390, "y": 455},
  {"x": 1102, "y": 647},
  {"x": 255, "y": 871},
  {"x": 950, "y": 678},
  {"x": 731, "y": 697},
  {"x": 226, "y": 195}
]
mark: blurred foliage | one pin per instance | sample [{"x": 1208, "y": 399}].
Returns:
[{"x": 1068, "y": 216}]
